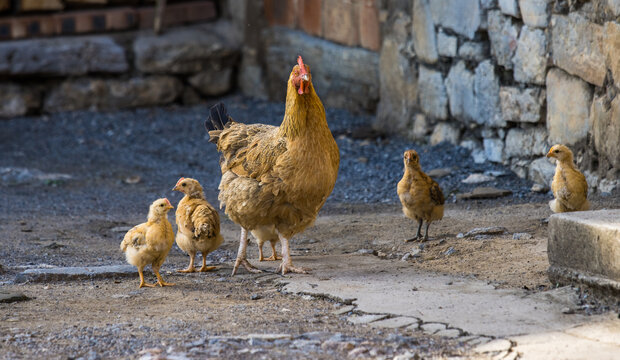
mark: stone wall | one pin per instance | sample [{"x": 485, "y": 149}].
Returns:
[{"x": 507, "y": 79}]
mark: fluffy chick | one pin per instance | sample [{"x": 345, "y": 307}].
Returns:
[
  {"x": 198, "y": 224},
  {"x": 262, "y": 234},
  {"x": 150, "y": 242},
  {"x": 569, "y": 186},
  {"x": 420, "y": 195}
]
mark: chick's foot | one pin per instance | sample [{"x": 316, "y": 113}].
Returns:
[{"x": 207, "y": 268}]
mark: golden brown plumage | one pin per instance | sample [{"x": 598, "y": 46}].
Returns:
[
  {"x": 277, "y": 176},
  {"x": 198, "y": 224},
  {"x": 150, "y": 242},
  {"x": 420, "y": 195},
  {"x": 569, "y": 186}
]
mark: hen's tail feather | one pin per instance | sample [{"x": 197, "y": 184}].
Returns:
[{"x": 216, "y": 122}]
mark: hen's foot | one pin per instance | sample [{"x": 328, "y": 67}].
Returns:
[
  {"x": 246, "y": 264},
  {"x": 207, "y": 268},
  {"x": 412, "y": 239},
  {"x": 188, "y": 270},
  {"x": 285, "y": 268}
]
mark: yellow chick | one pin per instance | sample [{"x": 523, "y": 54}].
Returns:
[
  {"x": 569, "y": 186},
  {"x": 420, "y": 195},
  {"x": 263, "y": 234},
  {"x": 150, "y": 242},
  {"x": 198, "y": 224}
]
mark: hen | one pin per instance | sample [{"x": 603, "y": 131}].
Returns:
[
  {"x": 569, "y": 186},
  {"x": 150, "y": 242},
  {"x": 420, "y": 195},
  {"x": 198, "y": 224},
  {"x": 276, "y": 177}
]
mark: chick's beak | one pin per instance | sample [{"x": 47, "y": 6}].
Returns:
[
  {"x": 176, "y": 188},
  {"x": 550, "y": 154}
]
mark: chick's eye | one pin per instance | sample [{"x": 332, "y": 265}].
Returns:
[
  {"x": 183, "y": 184},
  {"x": 161, "y": 204},
  {"x": 557, "y": 151}
]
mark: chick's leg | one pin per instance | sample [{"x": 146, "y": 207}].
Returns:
[
  {"x": 287, "y": 264},
  {"x": 428, "y": 223},
  {"x": 204, "y": 267},
  {"x": 190, "y": 267},
  {"x": 241, "y": 259},
  {"x": 260, "y": 253},
  {"x": 160, "y": 280},
  {"x": 274, "y": 254},
  {"x": 142, "y": 283},
  {"x": 419, "y": 234}
]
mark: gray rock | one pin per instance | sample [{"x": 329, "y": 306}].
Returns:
[
  {"x": 521, "y": 236},
  {"x": 605, "y": 119},
  {"x": 488, "y": 4},
  {"x": 364, "y": 319},
  {"x": 568, "y": 107},
  {"x": 449, "y": 333},
  {"x": 510, "y": 7},
  {"x": 17, "y": 100},
  {"x": 614, "y": 6},
  {"x": 439, "y": 173},
  {"x": 76, "y": 273},
  {"x": 432, "y": 328},
  {"x": 577, "y": 47},
  {"x": 9, "y": 296},
  {"x": 484, "y": 193},
  {"x": 535, "y": 13},
  {"x": 446, "y": 44},
  {"x": 187, "y": 50},
  {"x": 445, "y": 132},
  {"x": 474, "y": 50},
  {"x": 539, "y": 188},
  {"x": 395, "y": 322},
  {"x": 343, "y": 310},
  {"x": 612, "y": 49},
  {"x": 493, "y": 149},
  {"x": 541, "y": 171},
  {"x": 420, "y": 127},
  {"x": 494, "y": 346},
  {"x": 503, "y": 35},
  {"x": 493, "y": 230},
  {"x": 432, "y": 93},
  {"x": 62, "y": 56},
  {"x": 460, "y": 90},
  {"x": 486, "y": 88},
  {"x": 461, "y": 16},
  {"x": 477, "y": 178},
  {"x": 424, "y": 38},
  {"x": 344, "y": 77},
  {"x": 521, "y": 105},
  {"x": 213, "y": 82},
  {"x": 526, "y": 142},
  {"x": 530, "y": 59},
  {"x": 97, "y": 93}
]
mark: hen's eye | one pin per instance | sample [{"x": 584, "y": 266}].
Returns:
[{"x": 557, "y": 151}]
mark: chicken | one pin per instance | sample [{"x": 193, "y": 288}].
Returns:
[
  {"x": 198, "y": 224},
  {"x": 263, "y": 234},
  {"x": 276, "y": 177},
  {"x": 150, "y": 242},
  {"x": 420, "y": 195},
  {"x": 569, "y": 186}
]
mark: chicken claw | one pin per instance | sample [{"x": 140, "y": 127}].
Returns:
[
  {"x": 207, "y": 268},
  {"x": 188, "y": 270},
  {"x": 285, "y": 268},
  {"x": 160, "y": 280},
  {"x": 246, "y": 264},
  {"x": 142, "y": 283}
]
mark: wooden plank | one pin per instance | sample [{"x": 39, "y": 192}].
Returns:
[
  {"x": 40, "y": 5},
  {"x": 5, "y": 5}
]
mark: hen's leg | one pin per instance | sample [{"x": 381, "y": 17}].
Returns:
[
  {"x": 160, "y": 280},
  {"x": 428, "y": 223},
  {"x": 419, "y": 234},
  {"x": 190, "y": 267},
  {"x": 241, "y": 260},
  {"x": 287, "y": 264},
  {"x": 142, "y": 283},
  {"x": 274, "y": 254},
  {"x": 204, "y": 267}
]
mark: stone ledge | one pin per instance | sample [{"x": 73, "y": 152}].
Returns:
[
  {"x": 76, "y": 273},
  {"x": 584, "y": 248}
]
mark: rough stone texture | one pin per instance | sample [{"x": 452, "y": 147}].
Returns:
[
  {"x": 486, "y": 88},
  {"x": 187, "y": 50},
  {"x": 344, "y": 77},
  {"x": 526, "y": 142},
  {"x": 521, "y": 105},
  {"x": 484, "y": 193},
  {"x": 541, "y": 171},
  {"x": 445, "y": 132},
  {"x": 595, "y": 234},
  {"x": 214, "y": 82},
  {"x": 395, "y": 323},
  {"x": 474, "y": 51},
  {"x": 568, "y": 107},
  {"x": 605, "y": 119},
  {"x": 420, "y": 127},
  {"x": 10, "y": 297},
  {"x": 340, "y": 22},
  {"x": 95, "y": 93},
  {"x": 431, "y": 328},
  {"x": 461, "y": 16},
  {"x": 510, "y": 7},
  {"x": 612, "y": 49},
  {"x": 460, "y": 89},
  {"x": 432, "y": 92},
  {"x": 535, "y": 13},
  {"x": 577, "y": 47},
  {"x": 62, "y": 56},
  {"x": 614, "y": 6},
  {"x": 424, "y": 38},
  {"x": 446, "y": 44},
  {"x": 76, "y": 273},
  {"x": 16, "y": 100},
  {"x": 364, "y": 319},
  {"x": 504, "y": 37},
  {"x": 493, "y": 149},
  {"x": 530, "y": 59}
]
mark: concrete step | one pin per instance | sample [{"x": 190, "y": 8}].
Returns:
[
  {"x": 76, "y": 273},
  {"x": 584, "y": 248}
]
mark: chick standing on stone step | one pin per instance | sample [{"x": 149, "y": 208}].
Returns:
[
  {"x": 198, "y": 224},
  {"x": 420, "y": 195},
  {"x": 569, "y": 186},
  {"x": 150, "y": 242}
]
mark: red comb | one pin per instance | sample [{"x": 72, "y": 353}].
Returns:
[
  {"x": 168, "y": 202},
  {"x": 302, "y": 67},
  {"x": 181, "y": 179}
]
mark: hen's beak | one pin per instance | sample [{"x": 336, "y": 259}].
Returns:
[
  {"x": 176, "y": 188},
  {"x": 550, "y": 154},
  {"x": 304, "y": 79}
]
